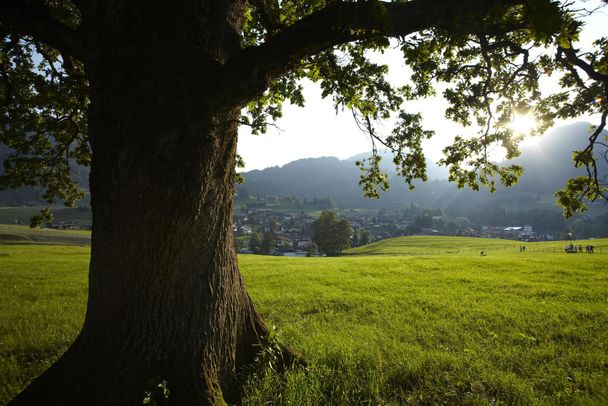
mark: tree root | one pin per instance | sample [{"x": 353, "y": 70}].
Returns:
[{"x": 290, "y": 359}]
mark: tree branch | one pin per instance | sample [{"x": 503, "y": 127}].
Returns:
[
  {"x": 339, "y": 23},
  {"x": 574, "y": 59},
  {"x": 34, "y": 18}
]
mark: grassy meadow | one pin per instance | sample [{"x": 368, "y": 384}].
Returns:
[
  {"x": 43, "y": 290},
  {"x": 444, "y": 327},
  {"x": 20, "y": 235},
  {"x": 432, "y": 245},
  {"x": 8, "y": 215}
]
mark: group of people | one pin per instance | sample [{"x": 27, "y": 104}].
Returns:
[
  {"x": 574, "y": 248},
  {"x": 570, "y": 249}
]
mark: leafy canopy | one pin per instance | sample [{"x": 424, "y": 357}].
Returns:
[
  {"x": 487, "y": 56},
  {"x": 489, "y": 75}
]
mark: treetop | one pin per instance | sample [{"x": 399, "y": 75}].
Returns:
[{"x": 488, "y": 56}]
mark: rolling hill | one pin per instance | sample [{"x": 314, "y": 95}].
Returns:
[{"x": 547, "y": 165}]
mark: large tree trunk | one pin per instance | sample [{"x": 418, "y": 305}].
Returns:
[{"x": 166, "y": 299}]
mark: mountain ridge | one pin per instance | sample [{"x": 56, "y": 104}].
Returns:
[{"x": 547, "y": 165}]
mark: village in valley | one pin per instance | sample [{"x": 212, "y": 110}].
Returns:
[
  {"x": 284, "y": 225},
  {"x": 290, "y": 232}
]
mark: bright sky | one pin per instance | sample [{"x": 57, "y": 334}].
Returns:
[{"x": 316, "y": 130}]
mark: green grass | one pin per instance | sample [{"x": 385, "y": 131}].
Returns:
[
  {"x": 14, "y": 234},
  {"x": 426, "y": 245},
  {"x": 42, "y": 301},
  {"x": 507, "y": 328},
  {"x": 429, "y": 330},
  {"x": 8, "y": 215}
]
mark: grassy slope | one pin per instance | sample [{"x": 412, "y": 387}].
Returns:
[
  {"x": 465, "y": 245},
  {"x": 8, "y": 215},
  {"x": 508, "y": 327},
  {"x": 13, "y": 234}
]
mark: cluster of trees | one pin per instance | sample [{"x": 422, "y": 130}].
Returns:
[
  {"x": 331, "y": 234},
  {"x": 360, "y": 237},
  {"x": 584, "y": 227},
  {"x": 262, "y": 243},
  {"x": 542, "y": 220},
  {"x": 459, "y": 222}
]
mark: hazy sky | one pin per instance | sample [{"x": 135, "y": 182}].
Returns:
[{"x": 316, "y": 130}]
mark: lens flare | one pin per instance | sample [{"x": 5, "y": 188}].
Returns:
[{"x": 522, "y": 124}]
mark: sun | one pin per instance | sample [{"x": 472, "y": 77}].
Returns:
[{"x": 522, "y": 124}]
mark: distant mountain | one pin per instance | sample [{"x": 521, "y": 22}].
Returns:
[
  {"x": 32, "y": 195},
  {"x": 547, "y": 165},
  {"x": 433, "y": 171},
  {"x": 548, "y": 162}
]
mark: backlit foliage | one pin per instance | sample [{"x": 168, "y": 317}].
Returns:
[{"x": 488, "y": 66}]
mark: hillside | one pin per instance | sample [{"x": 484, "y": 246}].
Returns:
[
  {"x": 338, "y": 180},
  {"x": 548, "y": 161},
  {"x": 441, "y": 245},
  {"x": 22, "y": 235},
  {"x": 547, "y": 165}
]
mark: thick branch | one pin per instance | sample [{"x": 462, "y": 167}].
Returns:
[
  {"x": 573, "y": 58},
  {"x": 34, "y": 18},
  {"x": 339, "y": 23}
]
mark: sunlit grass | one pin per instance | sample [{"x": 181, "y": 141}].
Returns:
[
  {"x": 509, "y": 327},
  {"x": 392, "y": 330},
  {"x": 42, "y": 301},
  {"x": 424, "y": 245}
]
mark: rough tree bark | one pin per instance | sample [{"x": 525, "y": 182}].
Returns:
[{"x": 166, "y": 299}]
